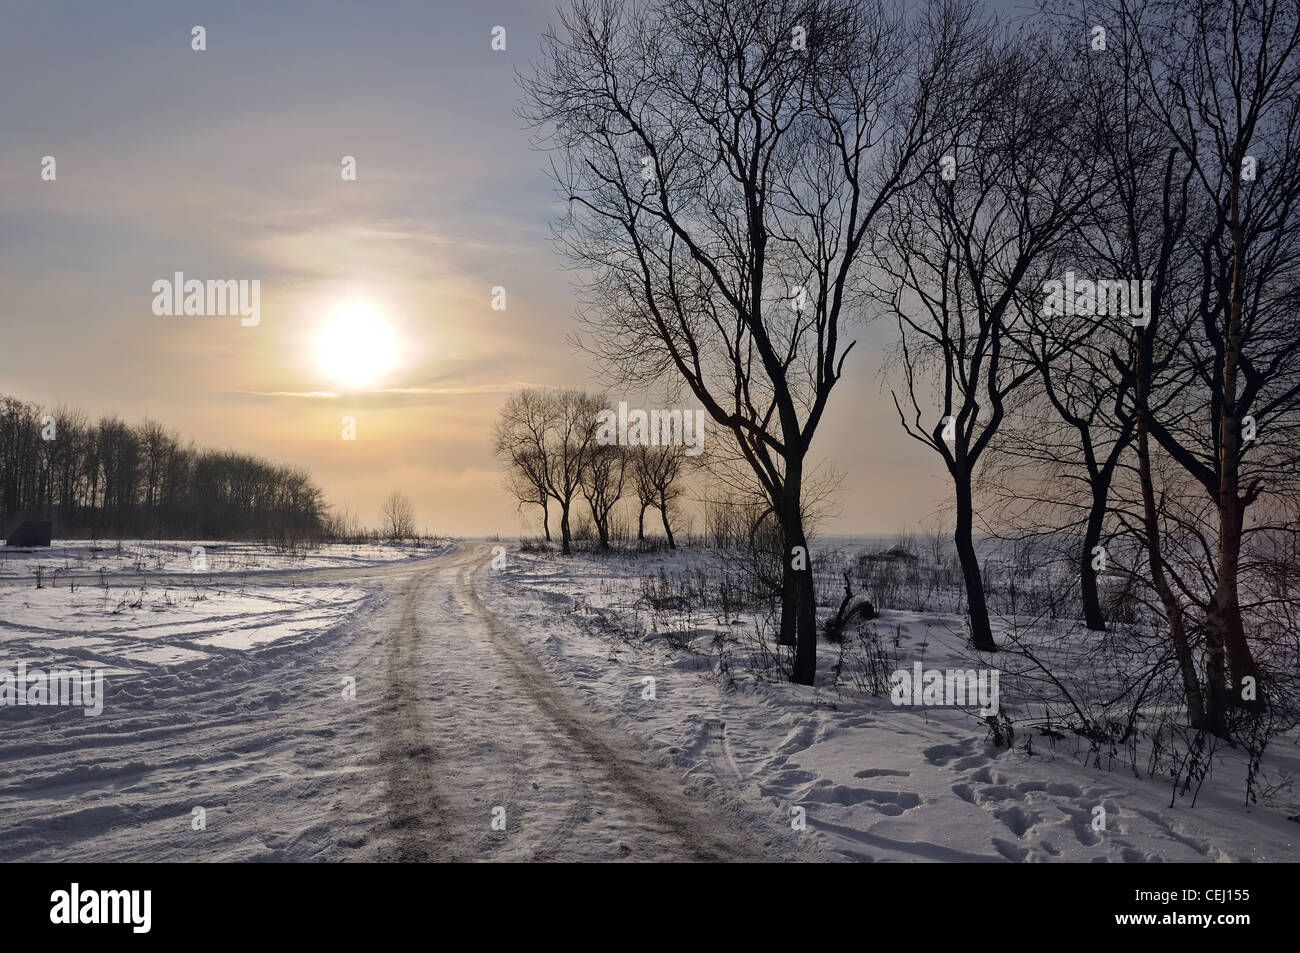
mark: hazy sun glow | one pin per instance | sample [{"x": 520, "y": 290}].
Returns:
[{"x": 355, "y": 346}]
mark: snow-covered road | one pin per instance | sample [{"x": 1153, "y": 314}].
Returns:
[
  {"x": 454, "y": 725},
  {"x": 489, "y": 704}
]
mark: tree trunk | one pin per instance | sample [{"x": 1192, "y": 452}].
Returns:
[
  {"x": 602, "y": 525},
  {"x": 789, "y": 632},
  {"x": 1093, "y": 617},
  {"x": 1224, "y": 615},
  {"x": 668, "y": 530},
  {"x": 546, "y": 519},
  {"x": 1196, "y": 712},
  {"x": 798, "y": 595},
  {"x": 565, "y": 536},
  {"x": 1223, "y": 618},
  {"x": 981, "y": 630},
  {"x": 640, "y": 524}
]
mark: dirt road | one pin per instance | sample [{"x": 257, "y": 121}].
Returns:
[{"x": 458, "y": 745}]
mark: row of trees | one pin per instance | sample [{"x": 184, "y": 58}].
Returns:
[
  {"x": 548, "y": 442},
  {"x": 744, "y": 178},
  {"x": 112, "y": 478},
  {"x": 1162, "y": 158}
]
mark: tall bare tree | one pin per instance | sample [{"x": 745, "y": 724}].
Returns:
[
  {"x": 1221, "y": 369},
  {"x": 724, "y": 164},
  {"x": 965, "y": 255}
]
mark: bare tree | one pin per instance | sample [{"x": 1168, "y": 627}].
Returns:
[
  {"x": 399, "y": 516},
  {"x": 603, "y": 479},
  {"x": 548, "y": 438},
  {"x": 724, "y": 163},
  {"x": 655, "y": 472},
  {"x": 1058, "y": 456},
  {"x": 1227, "y": 83},
  {"x": 967, "y": 253},
  {"x": 1134, "y": 230},
  {"x": 572, "y": 441},
  {"x": 521, "y": 442}
]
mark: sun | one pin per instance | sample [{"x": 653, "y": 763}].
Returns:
[{"x": 355, "y": 346}]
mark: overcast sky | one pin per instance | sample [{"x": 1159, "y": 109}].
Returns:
[{"x": 226, "y": 164}]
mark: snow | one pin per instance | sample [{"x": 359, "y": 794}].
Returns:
[
  {"x": 134, "y": 556},
  {"x": 878, "y": 782},
  {"x": 525, "y": 688},
  {"x": 135, "y": 628}
]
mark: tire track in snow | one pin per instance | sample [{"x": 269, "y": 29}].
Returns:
[
  {"x": 591, "y": 748},
  {"x": 415, "y": 806}
]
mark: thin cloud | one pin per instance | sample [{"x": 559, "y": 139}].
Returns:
[{"x": 434, "y": 391}]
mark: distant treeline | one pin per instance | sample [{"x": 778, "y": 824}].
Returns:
[{"x": 114, "y": 479}]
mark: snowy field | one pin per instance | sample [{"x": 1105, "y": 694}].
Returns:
[
  {"x": 141, "y": 628},
  {"x": 223, "y": 681},
  {"x": 116, "y": 557},
  {"x": 877, "y": 782},
  {"x": 526, "y": 687}
]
